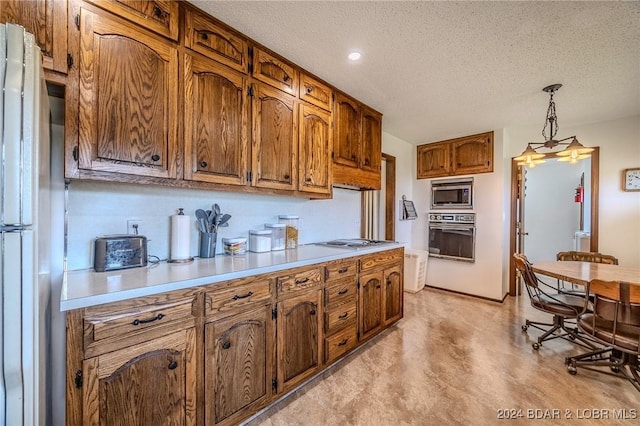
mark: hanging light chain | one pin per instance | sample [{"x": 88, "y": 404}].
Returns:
[{"x": 551, "y": 119}]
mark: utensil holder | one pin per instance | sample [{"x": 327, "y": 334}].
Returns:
[{"x": 208, "y": 244}]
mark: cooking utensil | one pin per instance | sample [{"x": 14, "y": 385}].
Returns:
[
  {"x": 224, "y": 219},
  {"x": 203, "y": 220}
]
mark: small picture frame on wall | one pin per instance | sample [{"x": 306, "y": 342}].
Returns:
[{"x": 631, "y": 179}]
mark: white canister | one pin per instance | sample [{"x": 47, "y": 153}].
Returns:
[
  {"x": 277, "y": 235},
  {"x": 260, "y": 240}
]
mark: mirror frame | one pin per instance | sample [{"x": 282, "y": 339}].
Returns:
[{"x": 595, "y": 178}]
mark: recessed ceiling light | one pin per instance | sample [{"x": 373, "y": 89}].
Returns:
[{"x": 354, "y": 56}]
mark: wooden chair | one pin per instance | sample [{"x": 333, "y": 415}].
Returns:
[
  {"x": 546, "y": 298},
  {"x": 582, "y": 256},
  {"x": 614, "y": 322}
]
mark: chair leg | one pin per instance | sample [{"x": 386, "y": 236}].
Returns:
[
  {"x": 569, "y": 334},
  {"x": 620, "y": 364}
]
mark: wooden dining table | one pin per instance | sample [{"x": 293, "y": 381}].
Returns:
[{"x": 583, "y": 272}]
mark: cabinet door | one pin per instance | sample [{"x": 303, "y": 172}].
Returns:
[
  {"x": 160, "y": 16},
  {"x": 216, "y": 108},
  {"x": 299, "y": 339},
  {"x": 434, "y": 160},
  {"x": 314, "y": 92},
  {"x": 215, "y": 40},
  {"x": 473, "y": 154},
  {"x": 371, "y": 151},
  {"x": 238, "y": 365},
  {"x": 128, "y": 96},
  {"x": 314, "y": 147},
  {"x": 275, "y": 71},
  {"x": 47, "y": 21},
  {"x": 393, "y": 295},
  {"x": 275, "y": 139},
  {"x": 347, "y": 131},
  {"x": 370, "y": 304},
  {"x": 151, "y": 383}
]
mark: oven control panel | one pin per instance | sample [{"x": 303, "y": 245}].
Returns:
[{"x": 453, "y": 217}]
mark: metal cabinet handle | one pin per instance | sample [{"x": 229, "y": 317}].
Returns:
[
  {"x": 244, "y": 296},
  {"x": 308, "y": 179},
  {"x": 309, "y": 89},
  {"x": 353, "y": 157},
  {"x": 286, "y": 176},
  {"x": 378, "y": 286},
  {"x": 226, "y": 344},
  {"x": 312, "y": 312},
  {"x": 302, "y": 281},
  {"x": 343, "y": 342},
  {"x": 343, "y": 316},
  {"x": 203, "y": 35},
  {"x": 343, "y": 270},
  {"x": 157, "y": 11},
  {"x": 155, "y": 157},
  {"x": 148, "y": 320},
  {"x": 343, "y": 291},
  {"x": 285, "y": 78},
  {"x": 203, "y": 164},
  {"x": 173, "y": 364}
]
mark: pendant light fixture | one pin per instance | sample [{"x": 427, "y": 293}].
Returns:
[{"x": 574, "y": 150}]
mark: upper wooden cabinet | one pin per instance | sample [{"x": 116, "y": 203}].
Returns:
[
  {"x": 47, "y": 21},
  {"x": 357, "y": 144},
  {"x": 160, "y": 16},
  {"x": 128, "y": 99},
  {"x": 315, "y": 92},
  {"x": 467, "y": 155},
  {"x": 215, "y": 40},
  {"x": 274, "y": 71},
  {"x": 216, "y": 110},
  {"x": 313, "y": 149},
  {"x": 275, "y": 139}
]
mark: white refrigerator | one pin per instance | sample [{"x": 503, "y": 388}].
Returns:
[{"x": 25, "y": 230}]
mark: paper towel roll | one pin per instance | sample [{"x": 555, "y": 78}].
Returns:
[{"x": 180, "y": 236}]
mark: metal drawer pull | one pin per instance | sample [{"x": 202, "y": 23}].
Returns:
[
  {"x": 244, "y": 296},
  {"x": 343, "y": 291},
  {"x": 343, "y": 270},
  {"x": 343, "y": 316},
  {"x": 226, "y": 344},
  {"x": 302, "y": 281},
  {"x": 146, "y": 321},
  {"x": 343, "y": 342},
  {"x": 312, "y": 312},
  {"x": 173, "y": 364}
]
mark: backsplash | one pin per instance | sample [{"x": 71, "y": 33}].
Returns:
[{"x": 96, "y": 209}]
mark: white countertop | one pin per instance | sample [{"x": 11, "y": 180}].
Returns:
[{"x": 85, "y": 288}]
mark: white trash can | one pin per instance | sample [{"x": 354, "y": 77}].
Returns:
[{"x": 415, "y": 270}]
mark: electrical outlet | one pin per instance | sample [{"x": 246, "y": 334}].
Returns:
[{"x": 134, "y": 227}]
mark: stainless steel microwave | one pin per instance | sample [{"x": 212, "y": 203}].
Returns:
[{"x": 452, "y": 193}]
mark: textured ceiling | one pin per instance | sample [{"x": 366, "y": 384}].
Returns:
[{"x": 439, "y": 70}]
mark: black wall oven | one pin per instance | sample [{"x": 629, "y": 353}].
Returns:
[{"x": 452, "y": 236}]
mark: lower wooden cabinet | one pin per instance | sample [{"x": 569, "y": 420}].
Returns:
[
  {"x": 151, "y": 383},
  {"x": 299, "y": 339},
  {"x": 217, "y": 354},
  {"x": 238, "y": 365}
]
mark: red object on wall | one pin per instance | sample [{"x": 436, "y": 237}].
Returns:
[{"x": 579, "y": 197}]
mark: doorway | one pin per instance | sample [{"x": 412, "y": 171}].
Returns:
[
  {"x": 517, "y": 229},
  {"x": 378, "y": 206}
]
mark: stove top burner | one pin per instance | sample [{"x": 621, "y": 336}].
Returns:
[{"x": 354, "y": 243}]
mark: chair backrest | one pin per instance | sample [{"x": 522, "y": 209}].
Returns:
[
  {"x": 585, "y": 256},
  {"x": 528, "y": 276},
  {"x": 617, "y": 303}
]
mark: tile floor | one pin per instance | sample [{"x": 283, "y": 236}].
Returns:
[{"x": 455, "y": 359}]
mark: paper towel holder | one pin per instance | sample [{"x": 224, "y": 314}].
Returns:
[{"x": 187, "y": 259}]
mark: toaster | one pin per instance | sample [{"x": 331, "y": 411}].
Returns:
[{"x": 120, "y": 252}]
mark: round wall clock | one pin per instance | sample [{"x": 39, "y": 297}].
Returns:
[{"x": 631, "y": 179}]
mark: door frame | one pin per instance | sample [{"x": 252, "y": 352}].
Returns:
[
  {"x": 595, "y": 178},
  {"x": 390, "y": 197}
]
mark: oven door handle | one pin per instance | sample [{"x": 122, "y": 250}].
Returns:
[{"x": 453, "y": 227}]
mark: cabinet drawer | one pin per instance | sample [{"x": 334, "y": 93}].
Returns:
[
  {"x": 215, "y": 40},
  {"x": 160, "y": 16},
  {"x": 218, "y": 301},
  {"x": 340, "y": 343},
  {"x": 341, "y": 268},
  {"x": 381, "y": 258},
  {"x": 116, "y": 329},
  {"x": 340, "y": 291},
  {"x": 339, "y": 316},
  {"x": 299, "y": 280},
  {"x": 314, "y": 92}
]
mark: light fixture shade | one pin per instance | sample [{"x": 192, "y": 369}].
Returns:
[
  {"x": 574, "y": 150},
  {"x": 528, "y": 155},
  {"x": 531, "y": 163}
]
